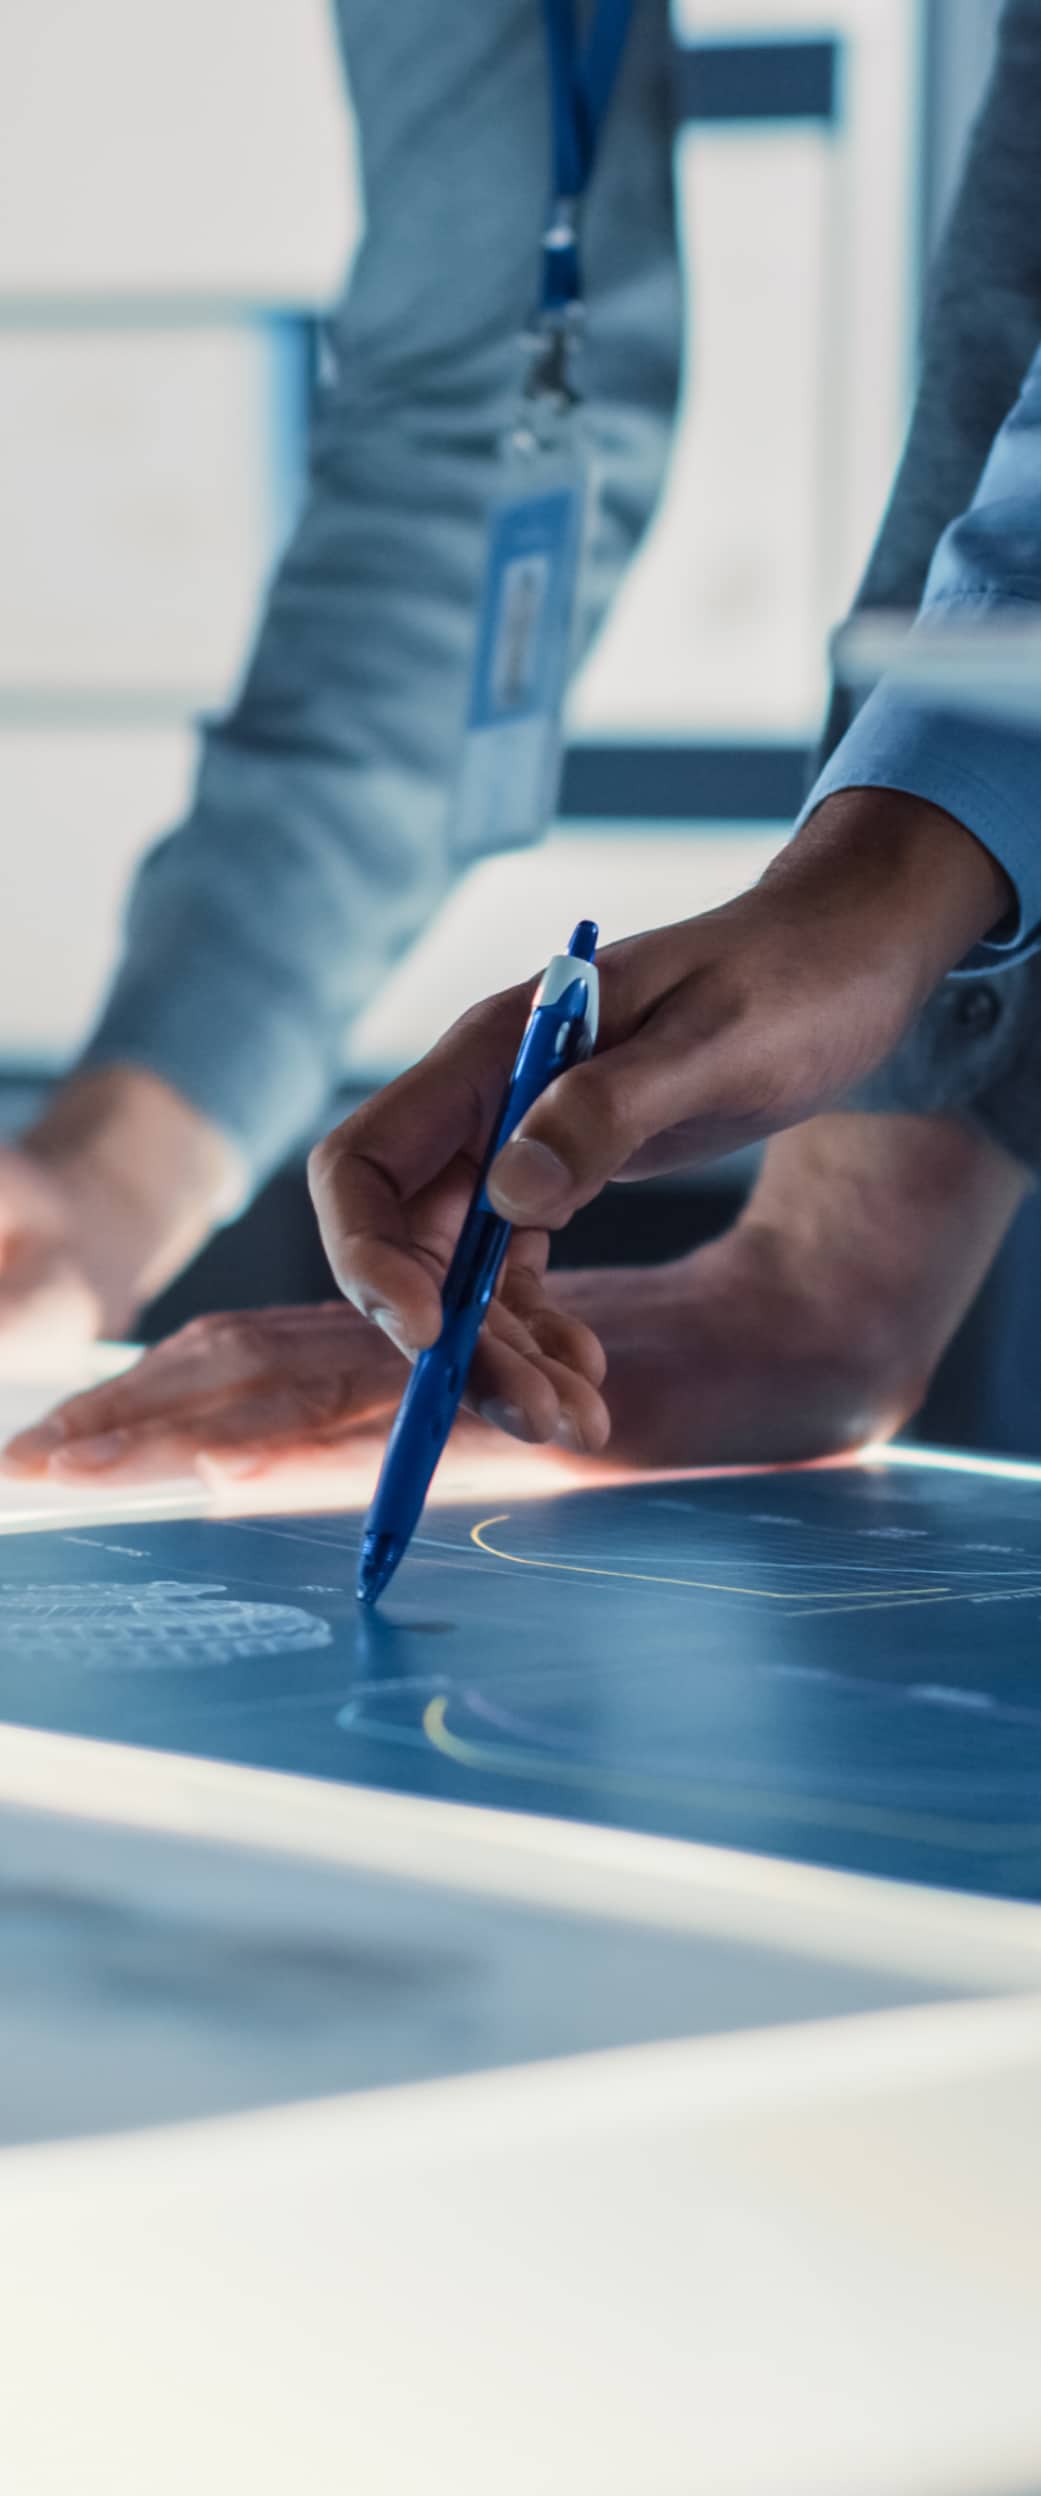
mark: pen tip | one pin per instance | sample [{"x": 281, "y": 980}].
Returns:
[{"x": 379, "y": 1559}]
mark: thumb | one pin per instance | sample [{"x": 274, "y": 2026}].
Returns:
[{"x": 581, "y": 1132}]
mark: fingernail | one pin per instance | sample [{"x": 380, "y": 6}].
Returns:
[
  {"x": 40, "y": 1441},
  {"x": 527, "y": 1181},
  {"x": 92, "y": 1455},
  {"x": 567, "y": 1434},
  {"x": 508, "y": 1417},
  {"x": 390, "y": 1325}
]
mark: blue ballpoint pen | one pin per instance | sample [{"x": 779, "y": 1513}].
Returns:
[{"x": 560, "y": 1030}]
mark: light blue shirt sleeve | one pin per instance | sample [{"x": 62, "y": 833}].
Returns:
[
  {"x": 323, "y": 833},
  {"x": 986, "y": 775}
]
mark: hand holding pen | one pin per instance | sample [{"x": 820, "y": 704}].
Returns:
[{"x": 560, "y": 1031}]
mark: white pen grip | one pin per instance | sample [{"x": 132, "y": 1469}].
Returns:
[{"x": 559, "y": 975}]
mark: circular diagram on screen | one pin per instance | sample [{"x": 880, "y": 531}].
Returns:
[{"x": 163, "y": 1627}]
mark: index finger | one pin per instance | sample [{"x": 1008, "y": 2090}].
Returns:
[{"x": 430, "y": 1126}]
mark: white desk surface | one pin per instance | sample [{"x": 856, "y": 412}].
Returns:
[{"x": 781, "y": 2262}]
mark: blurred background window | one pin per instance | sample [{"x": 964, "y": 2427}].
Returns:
[{"x": 178, "y": 200}]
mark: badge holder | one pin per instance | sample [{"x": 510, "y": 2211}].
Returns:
[
  {"x": 539, "y": 519},
  {"x": 537, "y": 529}
]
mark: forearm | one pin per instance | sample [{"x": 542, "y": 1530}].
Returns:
[
  {"x": 902, "y": 882},
  {"x": 317, "y": 846},
  {"x": 143, "y": 1180}
]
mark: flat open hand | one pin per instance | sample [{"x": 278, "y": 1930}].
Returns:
[
  {"x": 811, "y": 1326},
  {"x": 240, "y": 1395}
]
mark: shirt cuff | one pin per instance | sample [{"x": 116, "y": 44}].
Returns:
[
  {"x": 188, "y": 1006},
  {"x": 986, "y": 775}
]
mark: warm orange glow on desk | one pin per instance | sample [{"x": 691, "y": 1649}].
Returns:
[
  {"x": 345, "y": 1477},
  {"x": 480, "y": 1465}
]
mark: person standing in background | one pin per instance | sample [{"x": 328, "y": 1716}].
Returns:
[{"x": 322, "y": 838}]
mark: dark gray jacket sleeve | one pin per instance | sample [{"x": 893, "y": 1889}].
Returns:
[
  {"x": 320, "y": 840},
  {"x": 976, "y": 1049},
  {"x": 981, "y": 329}
]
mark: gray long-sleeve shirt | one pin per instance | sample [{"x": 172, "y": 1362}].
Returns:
[{"x": 320, "y": 840}]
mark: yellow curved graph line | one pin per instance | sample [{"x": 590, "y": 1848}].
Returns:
[
  {"x": 861, "y": 1819},
  {"x": 704, "y": 1585}
]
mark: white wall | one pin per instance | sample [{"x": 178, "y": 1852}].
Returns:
[
  {"x": 164, "y": 146},
  {"x": 171, "y": 172},
  {"x": 800, "y": 249}
]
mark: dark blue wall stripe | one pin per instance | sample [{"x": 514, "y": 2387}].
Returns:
[
  {"x": 685, "y": 783},
  {"x": 785, "y": 81}
]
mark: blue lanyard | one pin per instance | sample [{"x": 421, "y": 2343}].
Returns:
[{"x": 582, "y": 80}]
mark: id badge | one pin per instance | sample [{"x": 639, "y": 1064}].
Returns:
[{"x": 510, "y": 775}]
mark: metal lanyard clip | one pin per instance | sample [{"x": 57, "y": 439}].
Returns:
[{"x": 582, "y": 80}]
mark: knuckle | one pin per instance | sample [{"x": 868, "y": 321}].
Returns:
[
  {"x": 197, "y": 1337},
  {"x": 493, "y": 1014},
  {"x": 323, "y": 1161},
  {"x": 612, "y": 1118},
  {"x": 581, "y": 1351},
  {"x": 470, "y": 1025},
  {"x": 238, "y": 1334},
  {"x": 321, "y": 1400}
]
